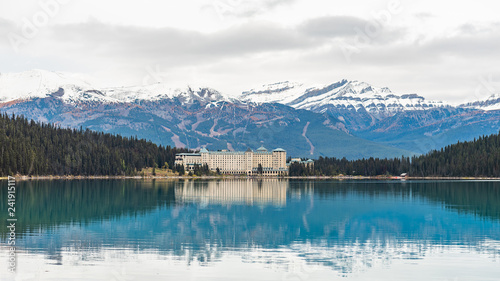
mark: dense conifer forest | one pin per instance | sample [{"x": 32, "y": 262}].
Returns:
[
  {"x": 478, "y": 158},
  {"x": 33, "y": 148}
]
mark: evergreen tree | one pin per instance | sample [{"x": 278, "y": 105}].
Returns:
[
  {"x": 478, "y": 158},
  {"x": 34, "y": 148}
]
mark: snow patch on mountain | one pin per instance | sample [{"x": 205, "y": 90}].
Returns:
[
  {"x": 353, "y": 95},
  {"x": 41, "y": 84},
  {"x": 488, "y": 104},
  {"x": 343, "y": 95},
  {"x": 149, "y": 92},
  {"x": 36, "y": 84},
  {"x": 282, "y": 92}
]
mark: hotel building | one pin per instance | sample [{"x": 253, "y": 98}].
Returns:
[
  {"x": 273, "y": 163},
  {"x": 307, "y": 163}
]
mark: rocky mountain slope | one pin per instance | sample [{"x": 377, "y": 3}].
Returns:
[
  {"x": 346, "y": 118},
  {"x": 189, "y": 117},
  {"x": 406, "y": 121},
  {"x": 351, "y": 95}
]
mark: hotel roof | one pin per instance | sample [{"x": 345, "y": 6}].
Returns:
[
  {"x": 188, "y": 154},
  {"x": 261, "y": 149}
]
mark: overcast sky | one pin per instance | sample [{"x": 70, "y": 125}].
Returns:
[{"x": 444, "y": 50}]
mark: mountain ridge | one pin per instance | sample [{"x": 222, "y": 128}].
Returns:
[
  {"x": 344, "y": 93},
  {"x": 355, "y": 94},
  {"x": 41, "y": 84},
  {"x": 350, "y": 114}
]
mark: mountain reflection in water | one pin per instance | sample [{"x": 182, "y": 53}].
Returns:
[{"x": 345, "y": 226}]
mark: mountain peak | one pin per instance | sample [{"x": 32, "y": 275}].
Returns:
[
  {"x": 489, "y": 103},
  {"x": 346, "y": 94},
  {"x": 274, "y": 93},
  {"x": 35, "y": 83},
  {"x": 38, "y": 83},
  {"x": 159, "y": 91}
]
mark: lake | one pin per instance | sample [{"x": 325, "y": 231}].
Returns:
[{"x": 272, "y": 229}]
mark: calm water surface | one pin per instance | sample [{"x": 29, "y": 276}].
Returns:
[{"x": 254, "y": 230}]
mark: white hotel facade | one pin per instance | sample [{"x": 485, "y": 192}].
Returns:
[{"x": 237, "y": 162}]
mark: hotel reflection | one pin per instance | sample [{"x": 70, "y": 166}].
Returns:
[{"x": 227, "y": 192}]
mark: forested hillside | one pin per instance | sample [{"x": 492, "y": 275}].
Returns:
[
  {"x": 480, "y": 157},
  {"x": 32, "y": 148}
]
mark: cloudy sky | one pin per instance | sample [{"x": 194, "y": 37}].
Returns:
[{"x": 446, "y": 50}]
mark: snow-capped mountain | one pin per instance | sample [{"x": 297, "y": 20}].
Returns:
[
  {"x": 42, "y": 84},
  {"x": 406, "y": 121},
  {"x": 490, "y": 103},
  {"x": 351, "y": 95},
  {"x": 37, "y": 84},
  {"x": 155, "y": 92},
  {"x": 282, "y": 92}
]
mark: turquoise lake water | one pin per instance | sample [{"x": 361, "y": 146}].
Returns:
[{"x": 272, "y": 229}]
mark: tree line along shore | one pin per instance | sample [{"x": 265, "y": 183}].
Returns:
[{"x": 238, "y": 177}]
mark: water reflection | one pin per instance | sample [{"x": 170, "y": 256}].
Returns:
[
  {"x": 346, "y": 227},
  {"x": 249, "y": 192}
]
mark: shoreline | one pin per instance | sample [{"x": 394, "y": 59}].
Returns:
[{"x": 232, "y": 177}]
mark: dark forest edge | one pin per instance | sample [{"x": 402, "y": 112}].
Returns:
[
  {"x": 477, "y": 158},
  {"x": 39, "y": 149},
  {"x": 35, "y": 148}
]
